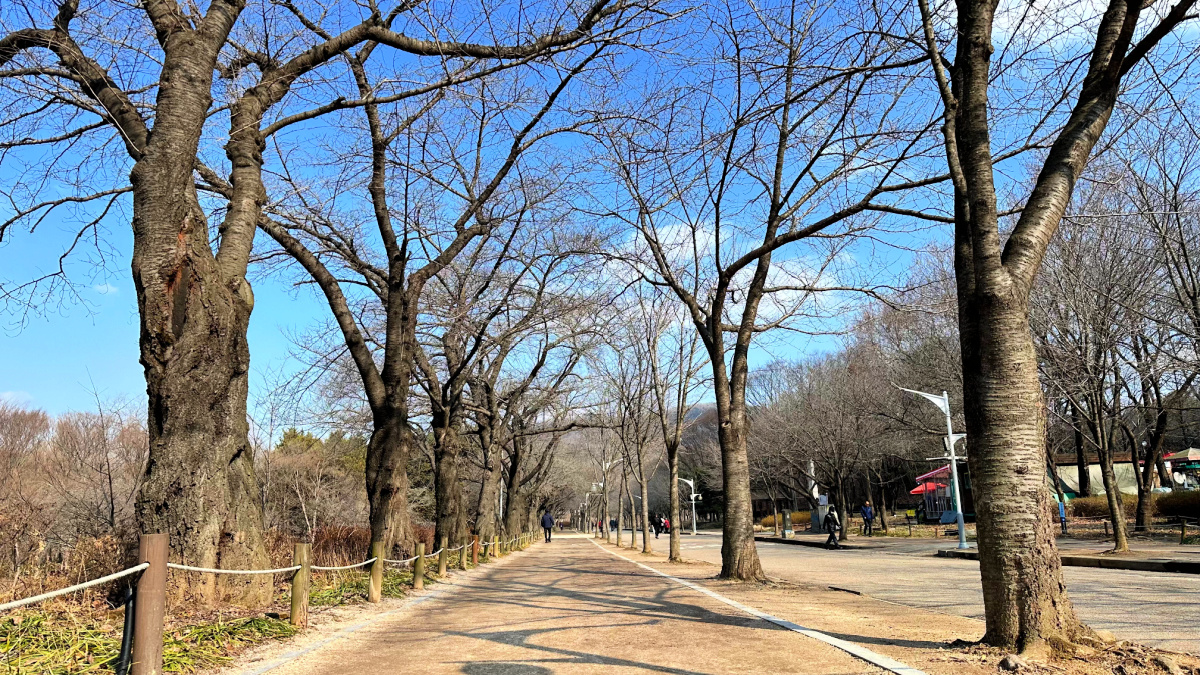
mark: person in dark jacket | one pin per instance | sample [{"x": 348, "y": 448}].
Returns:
[
  {"x": 832, "y": 525},
  {"x": 868, "y": 516},
  {"x": 547, "y": 525}
]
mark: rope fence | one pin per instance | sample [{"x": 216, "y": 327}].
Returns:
[
  {"x": 345, "y": 567},
  {"x": 72, "y": 589},
  {"x": 142, "y": 639},
  {"x": 209, "y": 570}
]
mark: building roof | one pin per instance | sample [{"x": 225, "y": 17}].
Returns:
[{"x": 933, "y": 476}]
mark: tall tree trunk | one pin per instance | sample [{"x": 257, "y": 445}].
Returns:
[
  {"x": 388, "y": 452},
  {"x": 1081, "y": 462},
  {"x": 739, "y": 556},
  {"x": 632, "y": 518},
  {"x": 842, "y": 511},
  {"x": 489, "y": 493},
  {"x": 199, "y": 485},
  {"x": 515, "y": 497},
  {"x": 882, "y": 510},
  {"x": 1025, "y": 600},
  {"x": 447, "y": 490},
  {"x": 645, "y": 507},
  {"x": 1116, "y": 506},
  {"x": 676, "y": 522}
]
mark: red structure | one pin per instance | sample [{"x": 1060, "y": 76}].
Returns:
[{"x": 934, "y": 488}]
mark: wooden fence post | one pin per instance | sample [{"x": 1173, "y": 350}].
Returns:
[
  {"x": 302, "y": 556},
  {"x": 151, "y": 605},
  {"x": 462, "y": 552},
  {"x": 419, "y": 568},
  {"x": 375, "y": 589},
  {"x": 444, "y": 556},
  {"x": 475, "y": 550},
  {"x": 494, "y": 551}
]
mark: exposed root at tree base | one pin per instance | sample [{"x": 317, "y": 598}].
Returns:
[{"x": 1067, "y": 658}]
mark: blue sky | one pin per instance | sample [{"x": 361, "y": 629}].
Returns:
[{"x": 56, "y": 359}]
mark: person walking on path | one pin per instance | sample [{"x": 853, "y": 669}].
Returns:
[
  {"x": 868, "y": 516},
  {"x": 548, "y": 524},
  {"x": 832, "y": 526}
]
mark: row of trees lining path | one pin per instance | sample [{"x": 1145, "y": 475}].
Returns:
[
  {"x": 194, "y": 300},
  {"x": 713, "y": 217}
]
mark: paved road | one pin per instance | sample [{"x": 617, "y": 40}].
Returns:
[
  {"x": 1162, "y": 610},
  {"x": 571, "y": 607}
]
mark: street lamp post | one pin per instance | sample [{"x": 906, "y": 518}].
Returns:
[
  {"x": 693, "y": 496},
  {"x": 943, "y": 404}
]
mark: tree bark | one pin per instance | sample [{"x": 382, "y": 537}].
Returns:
[
  {"x": 621, "y": 506},
  {"x": 489, "y": 493},
  {"x": 199, "y": 486},
  {"x": 676, "y": 522},
  {"x": 1025, "y": 600},
  {"x": 739, "y": 556},
  {"x": 446, "y": 487},
  {"x": 1081, "y": 462},
  {"x": 388, "y": 452}
]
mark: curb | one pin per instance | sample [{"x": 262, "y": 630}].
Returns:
[
  {"x": 806, "y": 542},
  {"x": 1132, "y": 564}
]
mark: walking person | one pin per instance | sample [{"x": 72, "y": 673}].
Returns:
[
  {"x": 547, "y": 524},
  {"x": 657, "y": 520},
  {"x": 868, "y": 516},
  {"x": 832, "y": 525}
]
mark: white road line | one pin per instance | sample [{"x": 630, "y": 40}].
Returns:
[{"x": 874, "y": 658}]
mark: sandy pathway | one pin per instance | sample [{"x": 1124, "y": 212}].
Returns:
[{"x": 569, "y": 607}]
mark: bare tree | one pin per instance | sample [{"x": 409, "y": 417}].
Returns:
[
  {"x": 674, "y": 355},
  {"x": 450, "y": 174},
  {"x": 146, "y": 77},
  {"x": 795, "y": 131},
  {"x": 1025, "y": 600}
]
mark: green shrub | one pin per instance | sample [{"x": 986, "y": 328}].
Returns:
[
  {"x": 1185, "y": 503},
  {"x": 1097, "y": 506}
]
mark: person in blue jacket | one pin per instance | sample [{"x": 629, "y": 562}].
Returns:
[
  {"x": 868, "y": 516},
  {"x": 547, "y": 524}
]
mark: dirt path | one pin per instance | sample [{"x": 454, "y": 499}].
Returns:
[{"x": 570, "y": 607}]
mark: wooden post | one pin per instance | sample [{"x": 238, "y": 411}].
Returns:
[
  {"x": 375, "y": 588},
  {"x": 474, "y": 550},
  {"x": 462, "y": 552},
  {"x": 1182, "y": 530},
  {"x": 444, "y": 557},
  {"x": 419, "y": 568},
  {"x": 302, "y": 556},
  {"x": 151, "y": 605}
]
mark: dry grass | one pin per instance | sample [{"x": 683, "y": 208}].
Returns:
[{"x": 82, "y": 633}]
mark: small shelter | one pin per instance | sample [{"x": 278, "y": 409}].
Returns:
[
  {"x": 1185, "y": 468},
  {"x": 934, "y": 488}
]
